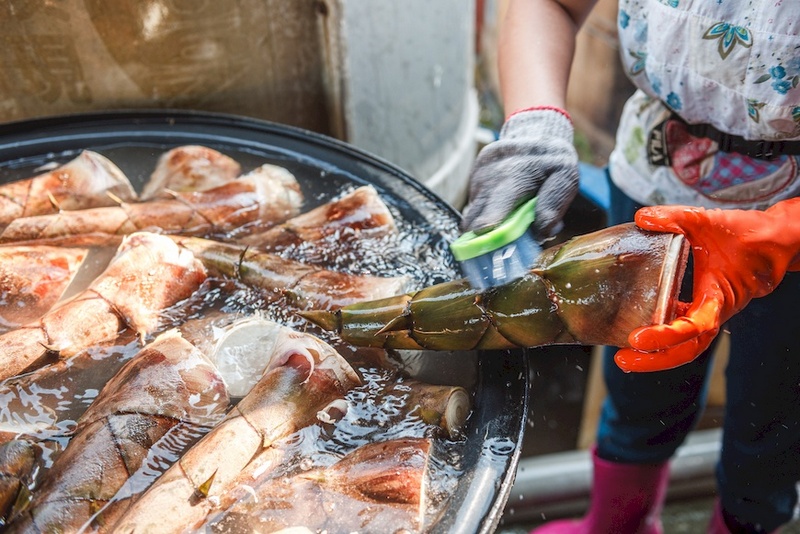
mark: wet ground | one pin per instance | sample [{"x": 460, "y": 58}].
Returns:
[
  {"x": 684, "y": 517},
  {"x": 681, "y": 517}
]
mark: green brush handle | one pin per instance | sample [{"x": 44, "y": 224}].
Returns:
[{"x": 473, "y": 244}]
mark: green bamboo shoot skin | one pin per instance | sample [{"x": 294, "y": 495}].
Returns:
[{"x": 593, "y": 290}]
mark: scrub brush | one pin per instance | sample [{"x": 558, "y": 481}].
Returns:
[{"x": 500, "y": 255}]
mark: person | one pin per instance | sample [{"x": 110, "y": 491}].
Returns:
[{"x": 713, "y": 125}]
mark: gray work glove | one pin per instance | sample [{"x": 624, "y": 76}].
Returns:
[{"x": 534, "y": 157}]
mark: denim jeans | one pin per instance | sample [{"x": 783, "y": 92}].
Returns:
[{"x": 646, "y": 416}]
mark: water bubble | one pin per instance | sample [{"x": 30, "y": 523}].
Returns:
[{"x": 306, "y": 464}]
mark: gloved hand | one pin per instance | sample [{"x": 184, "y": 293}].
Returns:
[
  {"x": 739, "y": 255},
  {"x": 534, "y": 156}
]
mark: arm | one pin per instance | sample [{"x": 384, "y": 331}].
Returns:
[
  {"x": 534, "y": 155},
  {"x": 739, "y": 255},
  {"x": 537, "y": 43}
]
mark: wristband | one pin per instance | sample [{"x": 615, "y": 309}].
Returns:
[
  {"x": 542, "y": 108},
  {"x": 538, "y": 123}
]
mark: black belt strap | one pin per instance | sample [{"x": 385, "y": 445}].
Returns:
[{"x": 740, "y": 145}]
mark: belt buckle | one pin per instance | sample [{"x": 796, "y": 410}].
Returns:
[{"x": 768, "y": 149}]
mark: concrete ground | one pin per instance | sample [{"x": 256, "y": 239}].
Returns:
[
  {"x": 683, "y": 517},
  {"x": 680, "y": 517}
]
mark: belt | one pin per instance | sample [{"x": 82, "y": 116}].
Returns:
[{"x": 740, "y": 145}]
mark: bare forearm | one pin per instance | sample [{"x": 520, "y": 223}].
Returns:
[{"x": 537, "y": 43}]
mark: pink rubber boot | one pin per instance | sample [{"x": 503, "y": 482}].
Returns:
[
  {"x": 625, "y": 499},
  {"x": 717, "y": 524}
]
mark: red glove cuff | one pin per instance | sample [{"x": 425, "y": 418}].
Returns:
[{"x": 542, "y": 108}]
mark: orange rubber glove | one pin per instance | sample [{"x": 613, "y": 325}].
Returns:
[{"x": 738, "y": 255}]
